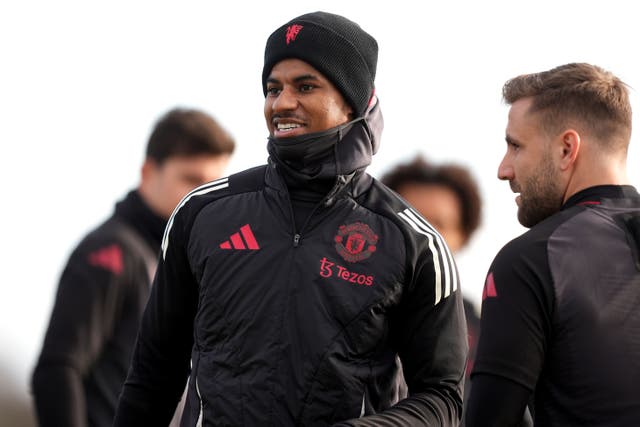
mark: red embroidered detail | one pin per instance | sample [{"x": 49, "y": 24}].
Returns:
[
  {"x": 489, "y": 290},
  {"x": 292, "y": 32},
  {"x": 109, "y": 258},
  {"x": 236, "y": 240},
  {"x": 589, "y": 202},
  {"x": 355, "y": 242},
  {"x": 329, "y": 269}
]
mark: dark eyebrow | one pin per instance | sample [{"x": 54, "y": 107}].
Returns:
[
  {"x": 305, "y": 77},
  {"x": 302, "y": 78}
]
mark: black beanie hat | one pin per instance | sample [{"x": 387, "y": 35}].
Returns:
[{"x": 337, "y": 47}]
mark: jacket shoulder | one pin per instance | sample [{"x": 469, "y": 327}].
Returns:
[
  {"x": 535, "y": 241},
  {"x": 109, "y": 232},
  {"x": 248, "y": 180},
  {"x": 387, "y": 203},
  {"x": 241, "y": 182}
]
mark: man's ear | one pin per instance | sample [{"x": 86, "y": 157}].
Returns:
[
  {"x": 570, "y": 143},
  {"x": 149, "y": 167}
]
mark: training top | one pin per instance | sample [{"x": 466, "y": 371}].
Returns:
[
  {"x": 561, "y": 317},
  {"x": 282, "y": 322},
  {"x": 100, "y": 299}
]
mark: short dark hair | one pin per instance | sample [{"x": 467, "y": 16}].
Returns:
[
  {"x": 187, "y": 132},
  {"x": 577, "y": 93},
  {"x": 452, "y": 176}
]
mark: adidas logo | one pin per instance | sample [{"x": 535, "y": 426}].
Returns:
[
  {"x": 489, "y": 290},
  {"x": 244, "y": 239},
  {"x": 108, "y": 258}
]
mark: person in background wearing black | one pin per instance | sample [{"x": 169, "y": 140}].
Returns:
[
  {"x": 286, "y": 290},
  {"x": 560, "y": 323},
  {"x": 106, "y": 282}
]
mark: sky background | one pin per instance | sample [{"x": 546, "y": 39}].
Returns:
[{"x": 81, "y": 84}]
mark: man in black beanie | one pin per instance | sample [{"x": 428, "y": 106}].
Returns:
[{"x": 285, "y": 292}]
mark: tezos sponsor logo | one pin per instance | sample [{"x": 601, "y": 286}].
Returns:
[{"x": 331, "y": 269}]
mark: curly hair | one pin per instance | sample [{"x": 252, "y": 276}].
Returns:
[{"x": 452, "y": 176}]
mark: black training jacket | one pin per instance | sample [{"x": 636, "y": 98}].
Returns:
[
  {"x": 280, "y": 326},
  {"x": 560, "y": 319},
  {"x": 90, "y": 337}
]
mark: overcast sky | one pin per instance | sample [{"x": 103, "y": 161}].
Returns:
[{"x": 81, "y": 84}]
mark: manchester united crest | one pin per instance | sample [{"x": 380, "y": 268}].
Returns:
[{"x": 355, "y": 242}]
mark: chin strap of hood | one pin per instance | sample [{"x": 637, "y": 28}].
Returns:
[{"x": 337, "y": 153}]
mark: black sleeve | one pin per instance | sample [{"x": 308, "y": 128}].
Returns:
[
  {"x": 432, "y": 337},
  {"x": 515, "y": 326},
  {"x": 161, "y": 359},
  {"x": 504, "y": 403},
  {"x": 82, "y": 321}
]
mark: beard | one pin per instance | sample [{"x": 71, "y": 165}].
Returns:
[{"x": 540, "y": 194}]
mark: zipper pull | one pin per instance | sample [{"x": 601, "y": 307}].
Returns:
[{"x": 296, "y": 240}]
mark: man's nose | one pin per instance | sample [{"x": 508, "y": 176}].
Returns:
[
  {"x": 505, "y": 170},
  {"x": 286, "y": 100}
]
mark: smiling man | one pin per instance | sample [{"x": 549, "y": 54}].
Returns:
[
  {"x": 560, "y": 320},
  {"x": 286, "y": 291}
]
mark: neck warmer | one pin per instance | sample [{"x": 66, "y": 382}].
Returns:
[{"x": 321, "y": 161}]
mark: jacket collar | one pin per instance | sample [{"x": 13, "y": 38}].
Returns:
[
  {"x": 594, "y": 195},
  {"x": 341, "y": 168},
  {"x": 135, "y": 211}
]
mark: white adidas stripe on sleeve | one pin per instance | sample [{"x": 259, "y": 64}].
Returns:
[
  {"x": 218, "y": 184},
  {"x": 442, "y": 244},
  {"x": 442, "y": 258}
]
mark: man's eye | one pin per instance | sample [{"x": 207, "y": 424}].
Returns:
[
  {"x": 273, "y": 91},
  {"x": 305, "y": 88}
]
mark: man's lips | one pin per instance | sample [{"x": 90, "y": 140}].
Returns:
[{"x": 287, "y": 126}]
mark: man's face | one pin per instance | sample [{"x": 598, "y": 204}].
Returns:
[
  {"x": 440, "y": 206},
  {"x": 530, "y": 167},
  {"x": 163, "y": 186},
  {"x": 300, "y": 100}
]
